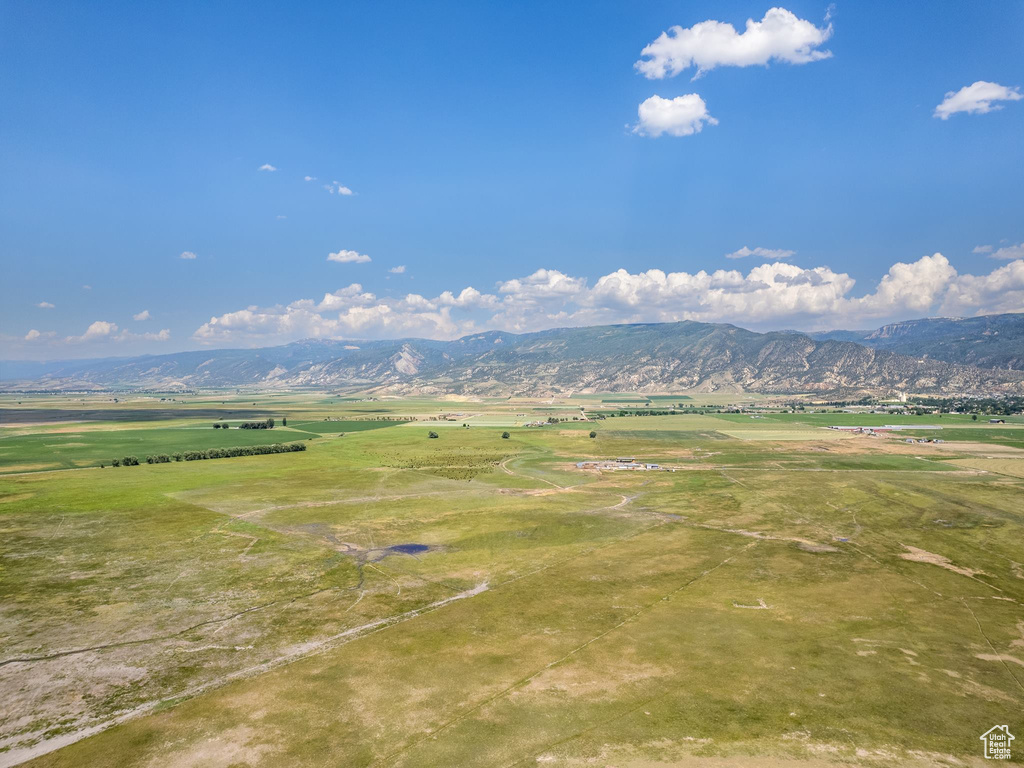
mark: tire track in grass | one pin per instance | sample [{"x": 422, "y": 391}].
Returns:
[
  {"x": 304, "y": 650},
  {"x": 990, "y": 645},
  {"x": 159, "y": 638}
]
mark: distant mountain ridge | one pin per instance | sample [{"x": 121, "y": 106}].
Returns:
[
  {"x": 989, "y": 341},
  {"x": 651, "y": 356}
]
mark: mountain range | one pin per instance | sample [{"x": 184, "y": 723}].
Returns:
[
  {"x": 989, "y": 341},
  {"x": 981, "y": 356}
]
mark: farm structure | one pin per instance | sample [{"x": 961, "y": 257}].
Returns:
[
  {"x": 883, "y": 428},
  {"x": 623, "y": 464}
]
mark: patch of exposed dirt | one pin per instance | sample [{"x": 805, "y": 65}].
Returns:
[
  {"x": 916, "y": 555},
  {"x": 1004, "y": 657},
  {"x": 761, "y": 605}
]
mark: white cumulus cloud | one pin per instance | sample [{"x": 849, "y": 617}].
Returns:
[
  {"x": 143, "y": 315},
  {"x": 350, "y": 312},
  {"x": 187, "y": 255},
  {"x": 45, "y": 305},
  {"x": 102, "y": 331},
  {"x": 126, "y": 335},
  {"x": 337, "y": 188},
  {"x": 771, "y": 295},
  {"x": 309, "y": 178},
  {"x": 976, "y": 99},
  {"x": 96, "y": 331},
  {"x": 266, "y": 167},
  {"x": 777, "y": 254},
  {"x": 1002, "y": 290},
  {"x": 349, "y": 257},
  {"x": 779, "y": 36},
  {"x": 400, "y": 269},
  {"x": 681, "y": 116},
  {"x": 1008, "y": 252}
]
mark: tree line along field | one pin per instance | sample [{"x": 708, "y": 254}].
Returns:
[
  {"x": 387, "y": 599},
  {"x": 73, "y": 447}
]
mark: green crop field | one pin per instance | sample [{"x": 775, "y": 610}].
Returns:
[
  {"x": 91, "y": 448},
  {"x": 784, "y": 597}
]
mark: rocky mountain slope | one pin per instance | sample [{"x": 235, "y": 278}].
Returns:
[
  {"x": 660, "y": 356},
  {"x": 990, "y": 341}
]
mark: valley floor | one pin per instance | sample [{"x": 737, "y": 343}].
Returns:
[{"x": 788, "y": 596}]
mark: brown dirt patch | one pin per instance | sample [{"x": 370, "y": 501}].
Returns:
[{"x": 916, "y": 555}]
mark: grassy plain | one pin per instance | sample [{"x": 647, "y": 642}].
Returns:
[{"x": 786, "y": 597}]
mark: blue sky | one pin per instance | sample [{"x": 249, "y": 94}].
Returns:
[{"x": 498, "y": 148}]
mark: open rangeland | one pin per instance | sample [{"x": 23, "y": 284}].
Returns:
[{"x": 788, "y": 595}]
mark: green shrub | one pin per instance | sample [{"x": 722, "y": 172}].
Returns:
[
  {"x": 593, "y": 434},
  {"x": 432, "y": 434},
  {"x": 505, "y": 435}
]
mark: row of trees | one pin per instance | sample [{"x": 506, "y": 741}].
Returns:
[
  {"x": 267, "y": 424},
  {"x": 212, "y": 453}
]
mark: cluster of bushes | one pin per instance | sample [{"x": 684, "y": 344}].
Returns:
[
  {"x": 268, "y": 424},
  {"x": 221, "y": 425},
  {"x": 212, "y": 453}
]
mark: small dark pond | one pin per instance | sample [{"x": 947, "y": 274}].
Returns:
[{"x": 409, "y": 549}]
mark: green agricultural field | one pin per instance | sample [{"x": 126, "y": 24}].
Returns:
[
  {"x": 74, "y": 447},
  {"x": 388, "y": 599}
]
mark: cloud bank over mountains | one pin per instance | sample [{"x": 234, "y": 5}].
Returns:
[{"x": 771, "y": 295}]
